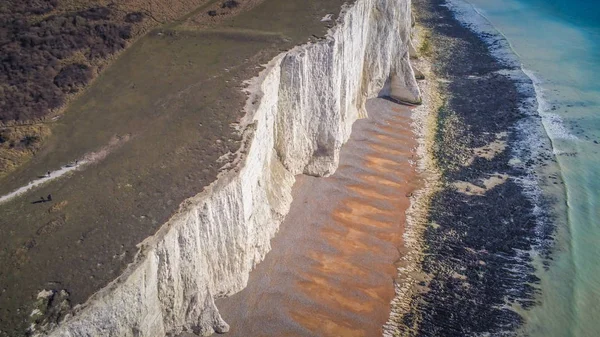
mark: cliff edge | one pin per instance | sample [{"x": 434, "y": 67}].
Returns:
[{"x": 298, "y": 115}]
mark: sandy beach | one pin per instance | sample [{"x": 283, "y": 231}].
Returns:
[{"x": 332, "y": 266}]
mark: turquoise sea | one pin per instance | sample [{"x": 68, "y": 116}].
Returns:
[{"x": 558, "y": 44}]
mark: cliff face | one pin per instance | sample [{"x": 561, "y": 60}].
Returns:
[{"x": 299, "y": 113}]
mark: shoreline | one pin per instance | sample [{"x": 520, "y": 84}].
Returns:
[
  {"x": 569, "y": 284},
  {"x": 331, "y": 266},
  {"x": 485, "y": 219}
]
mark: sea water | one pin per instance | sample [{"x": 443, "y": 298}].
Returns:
[{"x": 558, "y": 44}]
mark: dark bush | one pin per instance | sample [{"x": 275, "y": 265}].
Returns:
[
  {"x": 29, "y": 140},
  {"x": 27, "y": 7},
  {"x": 230, "y": 4},
  {"x": 72, "y": 77},
  {"x": 33, "y": 80},
  {"x": 134, "y": 17},
  {"x": 94, "y": 14},
  {"x": 212, "y": 13}
]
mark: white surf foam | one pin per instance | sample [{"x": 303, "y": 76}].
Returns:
[
  {"x": 553, "y": 123},
  {"x": 502, "y": 50}
]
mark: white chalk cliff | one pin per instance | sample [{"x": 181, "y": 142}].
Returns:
[{"x": 306, "y": 102}]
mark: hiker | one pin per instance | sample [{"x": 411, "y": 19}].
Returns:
[
  {"x": 48, "y": 174},
  {"x": 49, "y": 197}
]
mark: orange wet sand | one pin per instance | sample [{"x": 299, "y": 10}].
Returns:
[{"x": 332, "y": 265}]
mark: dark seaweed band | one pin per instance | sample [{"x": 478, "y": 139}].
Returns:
[{"x": 473, "y": 255}]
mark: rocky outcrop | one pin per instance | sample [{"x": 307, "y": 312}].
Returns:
[{"x": 305, "y": 103}]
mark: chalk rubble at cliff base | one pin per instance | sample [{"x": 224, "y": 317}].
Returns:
[{"x": 306, "y": 102}]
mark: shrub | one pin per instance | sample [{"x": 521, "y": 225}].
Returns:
[
  {"x": 96, "y": 13},
  {"x": 230, "y": 4},
  {"x": 35, "y": 71},
  {"x": 134, "y": 17},
  {"x": 29, "y": 140},
  {"x": 72, "y": 77}
]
